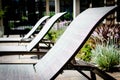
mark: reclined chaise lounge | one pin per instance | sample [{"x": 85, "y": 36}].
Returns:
[
  {"x": 23, "y": 49},
  {"x": 65, "y": 49},
  {"x": 28, "y": 35}
]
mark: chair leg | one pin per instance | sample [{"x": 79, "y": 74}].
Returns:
[
  {"x": 103, "y": 74},
  {"x": 93, "y": 76},
  {"x": 78, "y": 68},
  {"x": 93, "y": 71},
  {"x": 85, "y": 75}
]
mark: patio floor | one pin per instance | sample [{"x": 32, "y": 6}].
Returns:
[{"x": 32, "y": 59}]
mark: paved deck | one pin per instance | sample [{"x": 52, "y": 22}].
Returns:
[
  {"x": 66, "y": 75},
  {"x": 32, "y": 59}
]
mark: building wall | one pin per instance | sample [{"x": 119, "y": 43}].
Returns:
[
  {"x": 35, "y": 11},
  {"x": 21, "y": 12}
]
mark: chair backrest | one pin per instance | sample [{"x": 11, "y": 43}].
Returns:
[
  {"x": 70, "y": 42},
  {"x": 44, "y": 30},
  {"x": 41, "y": 20}
]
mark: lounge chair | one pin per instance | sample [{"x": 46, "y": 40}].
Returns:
[
  {"x": 65, "y": 49},
  {"x": 23, "y": 49},
  {"x": 25, "y": 38}
]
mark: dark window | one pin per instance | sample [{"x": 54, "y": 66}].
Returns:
[
  {"x": 21, "y": 12},
  {"x": 96, "y": 3},
  {"x": 84, "y": 4},
  {"x": 118, "y": 11}
]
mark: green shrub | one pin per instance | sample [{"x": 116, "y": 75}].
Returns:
[
  {"x": 106, "y": 57},
  {"x": 1, "y": 13},
  {"x": 68, "y": 16},
  {"x": 85, "y": 52},
  {"x": 50, "y": 14},
  {"x": 53, "y": 35}
]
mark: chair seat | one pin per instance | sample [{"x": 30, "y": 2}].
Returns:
[
  {"x": 17, "y": 72},
  {"x": 13, "y": 48},
  {"x": 9, "y": 39}
]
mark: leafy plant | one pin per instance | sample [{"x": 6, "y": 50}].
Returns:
[
  {"x": 50, "y": 14},
  {"x": 11, "y": 24},
  {"x": 106, "y": 57},
  {"x": 107, "y": 34},
  {"x": 85, "y": 52},
  {"x": 1, "y": 13},
  {"x": 53, "y": 34},
  {"x": 24, "y": 18},
  {"x": 68, "y": 16}
]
